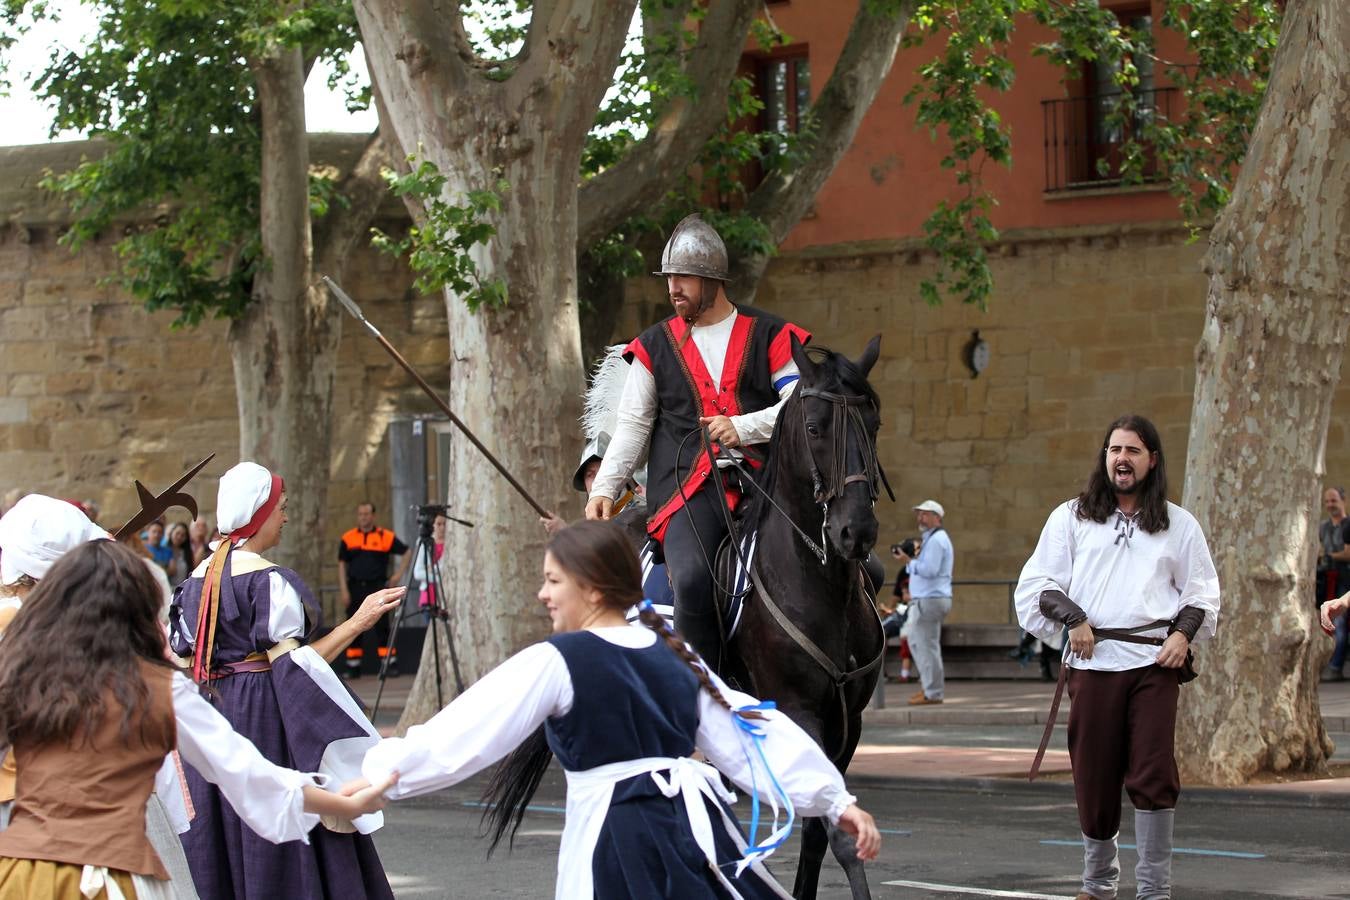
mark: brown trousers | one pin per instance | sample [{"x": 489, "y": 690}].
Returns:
[{"x": 1121, "y": 731}]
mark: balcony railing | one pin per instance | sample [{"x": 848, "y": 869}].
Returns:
[{"x": 1084, "y": 137}]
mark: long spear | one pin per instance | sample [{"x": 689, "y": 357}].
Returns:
[{"x": 355, "y": 310}]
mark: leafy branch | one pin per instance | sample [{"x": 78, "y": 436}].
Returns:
[
  {"x": 973, "y": 57},
  {"x": 439, "y": 248},
  {"x": 1197, "y": 150}
]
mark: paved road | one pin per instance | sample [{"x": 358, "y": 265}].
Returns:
[{"x": 940, "y": 840}]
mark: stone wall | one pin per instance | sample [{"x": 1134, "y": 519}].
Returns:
[
  {"x": 1084, "y": 325},
  {"x": 95, "y": 391}
]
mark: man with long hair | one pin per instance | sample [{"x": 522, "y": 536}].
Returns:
[{"x": 1143, "y": 587}]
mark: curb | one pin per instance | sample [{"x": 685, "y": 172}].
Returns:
[
  {"x": 956, "y": 716},
  {"x": 1063, "y": 790}
]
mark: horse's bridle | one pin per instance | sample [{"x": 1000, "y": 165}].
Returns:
[{"x": 846, "y": 416}]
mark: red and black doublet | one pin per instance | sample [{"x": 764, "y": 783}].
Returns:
[{"x": 760, "y": 345}]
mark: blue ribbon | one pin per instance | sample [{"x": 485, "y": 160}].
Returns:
[{"x": 754, "y": 730}]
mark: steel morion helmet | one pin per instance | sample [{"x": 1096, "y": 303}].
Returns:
[{"x": 695, "y": 248}]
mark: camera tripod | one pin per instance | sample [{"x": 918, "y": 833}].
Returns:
[{"x": 438, "y": 617}]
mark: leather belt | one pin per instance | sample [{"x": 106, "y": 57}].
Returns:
[
  {"x": 1126, "y": 635},
  {"x": 256, "y": 662}
]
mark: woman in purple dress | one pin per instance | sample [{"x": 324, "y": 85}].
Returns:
[{"x": 243, "y": 621}]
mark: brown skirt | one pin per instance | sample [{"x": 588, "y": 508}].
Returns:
[{"x": 39, "y": 879}]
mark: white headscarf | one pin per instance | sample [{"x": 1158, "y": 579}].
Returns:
[
  {"x": 38, "y": 531},
  {"x": 243, "y": 491}
]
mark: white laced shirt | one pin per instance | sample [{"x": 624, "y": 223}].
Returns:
[{"x": 1122, "y": 577}]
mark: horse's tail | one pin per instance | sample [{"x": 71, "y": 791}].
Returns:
[{"x": 512, "y": 786}]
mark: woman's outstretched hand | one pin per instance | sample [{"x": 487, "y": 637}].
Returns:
[
  {"x": 376, "y": 605},
  {"x": 859, "y": 822}
]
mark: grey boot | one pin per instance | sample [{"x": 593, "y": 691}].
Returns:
[
  {"x": 1153, "y": 836},
  {"x": 1101, "y": 868}
]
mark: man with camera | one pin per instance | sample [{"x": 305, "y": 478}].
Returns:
[{"x": 928, "y": 561}]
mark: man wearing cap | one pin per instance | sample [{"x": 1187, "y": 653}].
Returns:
[
  {"x": 930, "y": 587},
  {"x": 712, "y": 365}
]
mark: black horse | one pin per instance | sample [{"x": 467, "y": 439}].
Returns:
[{"x": 809, "y": 636}]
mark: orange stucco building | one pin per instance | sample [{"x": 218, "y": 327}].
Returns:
[{"x": 890, "y": 180}]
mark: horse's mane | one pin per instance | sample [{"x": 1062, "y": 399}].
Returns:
[{"x": 835, "y": 373}]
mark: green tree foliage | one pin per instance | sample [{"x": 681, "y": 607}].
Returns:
[
  {"x": 649, "y": 78},
  {"x": 167, "y": 87},
  {"x": 1229, "y": 48},
  {"x": 438, "y": 247},
  {"x": 1230, "y": 45}
]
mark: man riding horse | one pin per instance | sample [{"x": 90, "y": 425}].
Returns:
[{"x": 712, "y": 365}]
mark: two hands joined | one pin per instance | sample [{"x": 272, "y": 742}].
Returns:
[
  {"x": 1171, "y": 656},
  {"x": 355, "y": 798}
]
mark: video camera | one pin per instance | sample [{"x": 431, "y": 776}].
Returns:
[
  {"x": 427, "y": 513},
  {"x": 430, "y": 510}
]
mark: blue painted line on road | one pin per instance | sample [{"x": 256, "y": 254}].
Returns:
[
  {"x": 531, "y": 808},
  {"x": 1191, "y": 851},
  {"x": 898, "y": 831}
]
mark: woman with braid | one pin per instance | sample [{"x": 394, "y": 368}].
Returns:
[{"x": 623, "y": 708}]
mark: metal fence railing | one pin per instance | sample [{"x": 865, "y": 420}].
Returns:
[{"x": 1085, "y": 137}]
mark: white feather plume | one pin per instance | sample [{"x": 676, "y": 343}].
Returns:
[{"x": 601, "y": 412}]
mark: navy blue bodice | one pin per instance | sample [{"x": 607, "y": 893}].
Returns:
[{"x": 626, "y": 704}]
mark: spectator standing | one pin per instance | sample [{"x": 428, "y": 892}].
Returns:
[
  {"x": 893, "y": 616},
  {"x": 181, "y": 562},
  {"x": 154, "y": 543},
  {"x": 363, "y": 569},
  {"x": 424, "y": 578},
  {"x": 199, "y": 538},
  {"x": 930, "y": 587},
  {"x": 1333, "y": 571}
]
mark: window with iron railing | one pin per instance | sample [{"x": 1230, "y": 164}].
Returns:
[{"x": 1086, "y": 137}]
